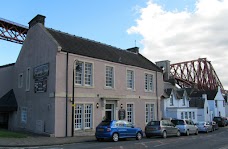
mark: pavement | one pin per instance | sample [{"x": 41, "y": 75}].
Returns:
[{"x": 38, "y": 140}]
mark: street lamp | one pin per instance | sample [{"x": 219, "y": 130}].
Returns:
[{"x": 73, "y": 105}]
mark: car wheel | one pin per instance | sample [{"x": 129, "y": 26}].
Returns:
[
  {"x": 138, "y": 136},
  {"x": 115, "y": 137},
  {"x": 164, "y": 134},
  {"x": 178, "y": 133},
  {"x": 197, "y": 132},
  {"x": 187, "y": 133}
]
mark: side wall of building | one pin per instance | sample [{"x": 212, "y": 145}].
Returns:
[
  {"x": 6, "y": 75},
  {"x": 36, "y": 69}
]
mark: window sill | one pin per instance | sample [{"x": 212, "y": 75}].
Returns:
[
  {"x": 109, "y": 88},
  {"x": 83, "y": 86}
]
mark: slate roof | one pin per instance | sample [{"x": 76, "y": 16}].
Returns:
[
  {"x": 8, "y": 102},
  {"x": 197, "y": 102},
  {"x": 7, "y": 65},
  {"x": 82, "y": 46},
  {"x": 210, "y": 94}
]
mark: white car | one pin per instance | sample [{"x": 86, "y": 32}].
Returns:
[
  {"x": 186, "y": 127},
  {"x": 204, "y": 127}
]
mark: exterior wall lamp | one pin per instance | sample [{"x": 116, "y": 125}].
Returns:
[
  {"x": 121, "y": 105},
  {"x": 97, "y": 105}
]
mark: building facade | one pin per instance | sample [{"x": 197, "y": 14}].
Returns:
[{"x": 66, "y": 85}]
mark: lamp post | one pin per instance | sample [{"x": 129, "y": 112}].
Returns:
[{"x": 73, "y": 105}]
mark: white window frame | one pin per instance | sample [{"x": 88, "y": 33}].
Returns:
[
  {"x": 130, "y": 114},
  {"x": 171, "y": 100},
  {"x": 28, "y": 74},
  {"x": 112, "y": 84},
  {"x": 83, "y": 116},
  {"x": 20, "y": 80},
  {"x": 82, "y": 76},
  {"x": 24, "y": 114},
  {"x": 148, "y": 82},
  {"x": 149, "y": 112},
  {"x": 130, "y": 81}
]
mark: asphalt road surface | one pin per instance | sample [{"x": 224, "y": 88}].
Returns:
[{"x": 212, "y": 140}]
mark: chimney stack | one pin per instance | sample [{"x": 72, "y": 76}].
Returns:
[
  {"x": 37, "y": 19},
  {"x": 134, "y": 50}
]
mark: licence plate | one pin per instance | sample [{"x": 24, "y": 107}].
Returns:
[{"x": 100, "y": 129}]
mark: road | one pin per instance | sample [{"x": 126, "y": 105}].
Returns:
[{"x": 214, "y": 140}]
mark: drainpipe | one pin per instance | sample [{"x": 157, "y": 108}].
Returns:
[
  {"x": 157, "y": 94},
  {"x": 67, "y": 58}
]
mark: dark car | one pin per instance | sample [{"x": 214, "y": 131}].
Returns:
[
  {"x": 220, "y": 120},
  {"x": 161, "y": 128},
  {"x": 116, "y": 129},
  {"x": 214, "y": 125}
]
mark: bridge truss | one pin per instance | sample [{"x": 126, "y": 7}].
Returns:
[
  {"x": 13, "y": 32},
  {"x": 196, "y": 73}
]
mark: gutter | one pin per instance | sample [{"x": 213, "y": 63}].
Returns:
[{"x": 67, "y": 61}]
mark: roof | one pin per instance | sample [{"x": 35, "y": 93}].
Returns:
[
  {"x": 82, "y": 46},
  {"x": 197, "y": 102},
  {"x": 8, "y": 102},
  {"x": 210, "y": 94},
  {"x": 7, "y": 65}
]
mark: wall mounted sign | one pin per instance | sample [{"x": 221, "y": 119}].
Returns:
[
  {"x": 40, "y": 74},
  {"x": 122, "y": 114}
]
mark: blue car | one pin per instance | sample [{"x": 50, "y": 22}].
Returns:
[{"x": 116, "y": 129}]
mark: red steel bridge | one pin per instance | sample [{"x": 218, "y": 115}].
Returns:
[
  {"x": 13, "y": 32},
  {"x": 198, "y": 73}
]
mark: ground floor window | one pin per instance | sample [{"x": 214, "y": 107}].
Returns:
[
  {"x": 83, "y": 116},
  {"x": 24, "y": 115},
  {"x": 130, "y": 114},
  {"x": 149, "y": 112}
]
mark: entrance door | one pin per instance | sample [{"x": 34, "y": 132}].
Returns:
[{"x": 109, "y": 111}]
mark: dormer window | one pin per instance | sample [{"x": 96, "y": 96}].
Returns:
[{"x": 171, "y": 100}]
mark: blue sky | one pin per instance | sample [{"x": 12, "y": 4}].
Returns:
[
  {"x": 175, "y": 30},
  {"x": 105, "y": 21}
]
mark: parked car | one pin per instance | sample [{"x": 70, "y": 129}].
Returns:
[
  {"x": 214, "y": 125},
  {"x": 186, "y": 127},
  {"x": 204, "y": 127},
  {"x": 116, "y": 129},
  {"x": 161, "y": 128},
  {"x": 220, "y": 120},
  {"x": 226, "y": 121}
]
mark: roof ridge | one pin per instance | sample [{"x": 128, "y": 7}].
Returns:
[
  {"x": 91, "y": 40},
  {"x": 7, "y": 65}
]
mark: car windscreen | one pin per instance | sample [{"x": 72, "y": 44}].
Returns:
[
  {"x": 177, "y": 122},
  {"x": 105, "y": 123},
  {"x": 154, "y": 123}
]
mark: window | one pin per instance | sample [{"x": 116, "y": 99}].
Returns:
[
  {"x": 186, "y": 115},
  {"x": 130, "y": 114},
  {"x": 84, "y": 73},
  {"x": 28, "y": 80},
  {"x": 216, "y": 103},
  {"x": 130, "y": 79},
  {"x": 109, "y": 77},
  {"x": 83, "y": 116},
  {"x": 190, "y": 115},
  {"x": 171, "y": 100},
  {"x": 183, "y": 101},
  {"x": 148, "y": 82},
  {"x": 193, "y": 115},
  {"x": 20, "y": 80},
  {"x": 182, "y": 115},
  {"x": 149, "y": 112},
  {"x": 24, "y": 115}
]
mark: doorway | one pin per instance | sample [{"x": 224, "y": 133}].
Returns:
[{"x": 109, "y": 111}]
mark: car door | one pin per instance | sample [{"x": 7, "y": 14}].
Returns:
[
  {"x": 173, "y": 129},
  {"x": 131, "y": 131},
  {"x": 121, "y": 129}
]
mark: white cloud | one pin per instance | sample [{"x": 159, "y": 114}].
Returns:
[{"x": 183, "y": 35}]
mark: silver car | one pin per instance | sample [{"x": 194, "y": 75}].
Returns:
[
  {"x": 186, "y": 127},
  {"x": 162, "y": 128},
  {"x": 204, "y": 127}
]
